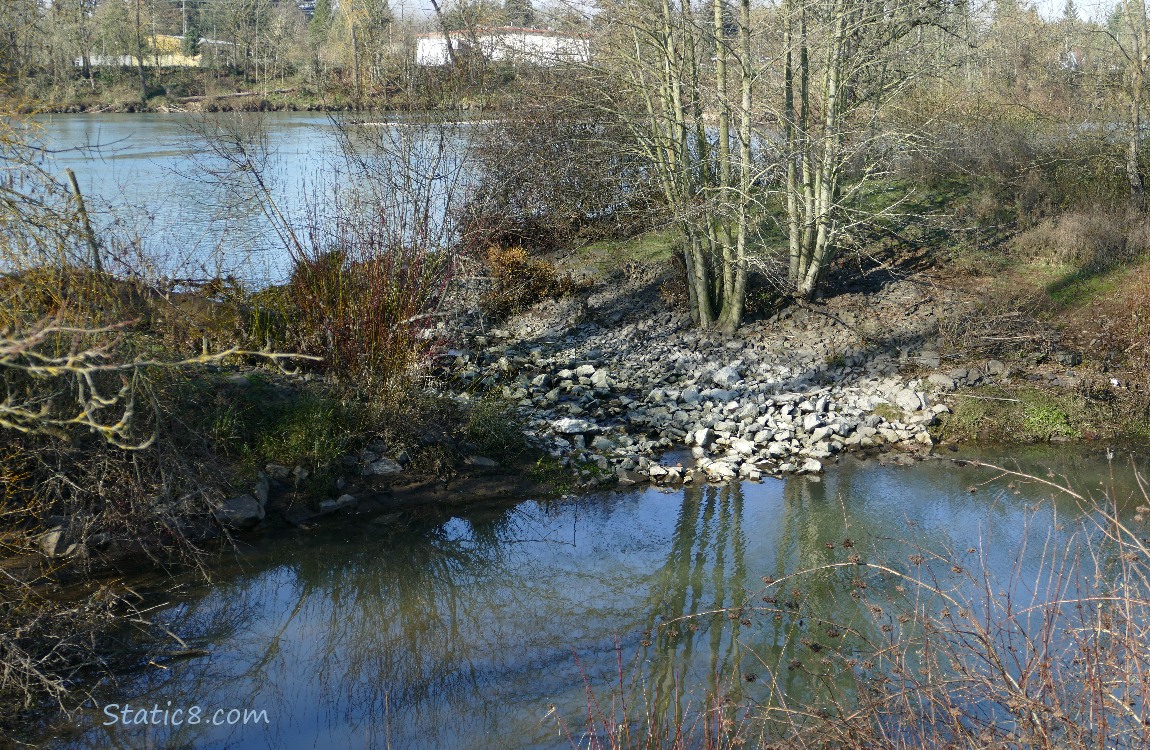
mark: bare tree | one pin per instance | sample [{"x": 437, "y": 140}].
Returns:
[
  {"x": 661, "y": 83},
  {"x": 843, "y": 62},
  {"x": 1132, "y": 38}
]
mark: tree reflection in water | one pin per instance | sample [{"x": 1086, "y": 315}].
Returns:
[{"x": 460, "y": 628}]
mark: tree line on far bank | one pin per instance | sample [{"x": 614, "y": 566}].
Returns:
[{"x": 46, "y": 49}]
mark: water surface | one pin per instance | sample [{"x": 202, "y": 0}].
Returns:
[
  {"x": 169, "y": 188},
  {"x": 484, "y": 627}
]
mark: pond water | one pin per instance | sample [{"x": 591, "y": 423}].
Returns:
[
  {"x": 490, "y": 626},
  {"x": 157, "y": 182}
]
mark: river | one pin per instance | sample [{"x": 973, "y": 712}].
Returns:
[
  {"x": 159, "y": 186},
  {"x": 497, "y": 626}
]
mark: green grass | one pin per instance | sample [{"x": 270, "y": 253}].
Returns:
[
  {"x": 549, "y": 471},
  {"x": 265, "y": 423},
  {"x": 1075, "y": 287},
  {"x": 609, "y": 255},
  {"x": 888, "y": 412},
  {"x": 1022, "y": 415},
  {"x": 495, "y": 429}
]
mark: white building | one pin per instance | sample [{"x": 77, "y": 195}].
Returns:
[{"x": 536, "y": 46}]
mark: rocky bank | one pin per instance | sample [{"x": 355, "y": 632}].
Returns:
[{"x": 617, "y": 387}]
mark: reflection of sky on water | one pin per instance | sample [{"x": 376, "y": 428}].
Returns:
[
  {"x": 150, "y": 175},
  {"x": 462, "y": 628},
  {"x": 139, "y": 166}
]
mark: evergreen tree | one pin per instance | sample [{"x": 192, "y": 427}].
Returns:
[
  {"x": 519, "y": 12},
  {"x": 190, "y": 45},
  {"x": 320, "y": 23}
]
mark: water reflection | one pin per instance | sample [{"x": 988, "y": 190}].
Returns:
[{"x": 462, "y": 629}]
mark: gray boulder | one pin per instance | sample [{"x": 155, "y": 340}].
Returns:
[
  {"x": 343, "y": 501},
  {"x": 382, "y": 467},
  {"x": 945, "y": 382},
  {"x": 728, "y": 377},
  {"x": 241, "y": 512},
  {"x": 574, "y": 426},
  {"x": 908, "y": 400},
  {"x": 56, "y": 543},
  {"x": 811, "y": 466}
]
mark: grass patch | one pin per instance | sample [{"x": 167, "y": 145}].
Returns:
[
  {"x": 888, "y": 412},
  {"x": 495, "y": 429},
  {"x": 1026, "y": 415},
  {"x": 550, "y": 471},
  {"x": 266, "y": 422},
  {"x": 608, "y": 256},
  {"x": 1077, "y": 287}
]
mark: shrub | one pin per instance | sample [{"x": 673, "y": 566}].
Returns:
[
  {"x": 494, "y": 428},
  {"x": 360, "y": 309},
  {"x": 1087, "y": 239},
  {"x": 560, "y": 170},
  {"x": 520, "y": 281}
]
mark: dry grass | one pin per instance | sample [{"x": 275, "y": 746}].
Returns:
[
  {"x": 949, "y": 655},
  {"x": 1086, "y": 239}
]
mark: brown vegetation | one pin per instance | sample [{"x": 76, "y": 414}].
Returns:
[{"x": 521, "y": 281}]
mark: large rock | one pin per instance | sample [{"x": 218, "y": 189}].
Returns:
[
  {"x": 945, "y": 382},
  {"x": 602, "y": 443},
  {"x": 627, "y": 476},
  {"x": 277, "y": 471},
  {"x": 811, "y": 466},
  {"x": 241, "y": 512},
  {"x": 341, "y": 502},
  {"x": 57, "y": 543},
  {"x": 743, "y": 447},
  {"x": 728, "y": 377},
  {"x": 382, "y": 467},
  {"x": 574, "y": 426},
  {"x": 720, "y": 471},
  {"x": 908, "y": 400},
  {"x": 812, "y": 421},
  {"x": 262, "y": 488}
]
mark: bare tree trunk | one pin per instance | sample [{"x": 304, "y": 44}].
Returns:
[
  {"x": 826, "y": 178},
  {"x": 355, "y": 65},
  {"x": 140, "y": 57},
  {"x": 1133, "y": 162},
  {"x": 734, "y": 301},
  {"x": 794, "y": 233},
  {"x": 1135, "y": 11}
]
